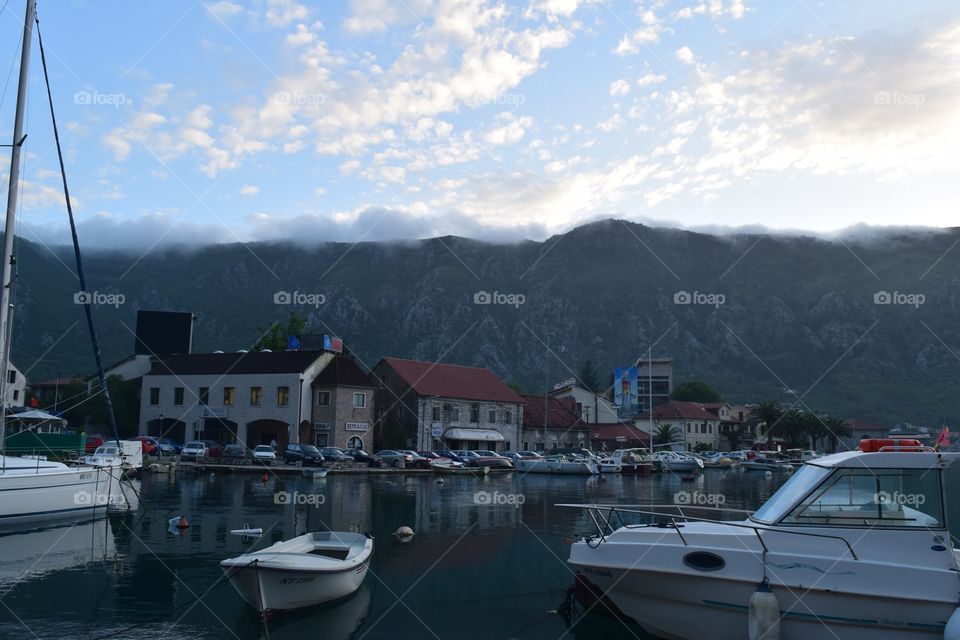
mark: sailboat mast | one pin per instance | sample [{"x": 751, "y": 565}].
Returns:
[{"x": 6, "y": 290}]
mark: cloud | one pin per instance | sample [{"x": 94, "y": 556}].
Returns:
[
  {"x": 249, "y": 190},
  {"x": 619, "y": 87},
  {"x": 685, "y": 55}
]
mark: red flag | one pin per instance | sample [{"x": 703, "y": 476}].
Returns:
[{"x": 943, "y": 440}]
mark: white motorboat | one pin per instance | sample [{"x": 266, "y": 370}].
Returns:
[
  {"x": 678, "y": 462},
  {"x": 308, "y": 570},
  {"x": 718, "y": 461},
  {"x": 761, "y": 463},
  {"x": 559, "y": 464},
  {"x": 130, "y": 458},
  {"x": 855, "y": 545}
]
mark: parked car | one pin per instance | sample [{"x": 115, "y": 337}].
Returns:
[
  {"x": 335, "y": 454},
  {"x": 214, "y": 449},
  {"x": 431, "y": 455},
  {"x": 161, "y": 448},
  {"x": 94, "y": 442},
  {"x": 394, "y": 458},
  {"x": 475, "y": 459},
  {"x": 193, "y": 450},
  {"x": 416, "y": 460},
  {"x": 359, "y": 455},
  {"x": 147, "y": 444},
  {"x": 264, "y": 454},
  {"x": 168, "y": 444},
  {"x": 305, "y": 454},
  {"x": 449, "y": 455},
  {"x": 234, "y": 453}
]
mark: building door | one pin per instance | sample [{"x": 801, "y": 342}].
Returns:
[
  {"x": 321, "y": 439},
  {"x": 355, "y": 442}
]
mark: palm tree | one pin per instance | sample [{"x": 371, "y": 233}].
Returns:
[
  {"x": 665, "y": 434},
  {"x": 835, "y": 428},
  {"x": 768, "y": 413}
]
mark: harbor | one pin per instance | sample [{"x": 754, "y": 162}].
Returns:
[{"x": 494, "y": 545}]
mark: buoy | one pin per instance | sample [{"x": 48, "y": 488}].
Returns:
[
  {"x": 264, "y": 478},
  {"x": 403, "y": 533},
  {"x": 212, "y": 475},
  {"x": 768, "y": 474},
  {"x": 952, "y": 630},
  {"x": 439, "y": 480},
  {"x": 763, "y": 615},
  {"x": 183, "y": 524}
]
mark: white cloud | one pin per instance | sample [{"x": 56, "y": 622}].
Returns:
[
  {"x": 612, "y": 123},
  {"x": 649, "y": 79},
  {"x": 641, "y": 37},
  {"x": 685, "y": 55},
  {"x": 249, "y": 190},
  {"x": 281, "y": 13},
  {"x": 619, "y": 87}
]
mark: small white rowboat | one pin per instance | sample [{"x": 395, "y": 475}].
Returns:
[{"x": 308, "y": 570}]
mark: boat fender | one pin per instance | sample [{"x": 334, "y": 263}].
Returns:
[
  {"x": 439, "y": 480},
  {"x": 178, "y": 523},
  {"x": 763, "y": 615},
  {"x": 952, "y": 630},
  {"x": 768, "y": 474},
  {"x": 264, "y": 478},
  {"x": 404, "y": 533}
]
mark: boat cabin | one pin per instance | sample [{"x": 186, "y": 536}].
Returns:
[{"x": 886, "y": 489}]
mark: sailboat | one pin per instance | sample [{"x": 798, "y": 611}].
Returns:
[{"x": 34, "y": 490}]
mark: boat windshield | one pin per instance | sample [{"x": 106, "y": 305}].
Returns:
[{"x": 793, "y": 490}]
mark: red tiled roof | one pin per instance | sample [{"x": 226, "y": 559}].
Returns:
[
  {"x": 561, "y": 412},
  {"x": 618, "y": 430},
  {"x": 452, "y": 381},
  {"x": 679, "y": 409},
  {"x": 859, "y": 424},
  {"x": 343, "y": 371}
]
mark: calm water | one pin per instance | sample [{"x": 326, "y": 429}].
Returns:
[{"x": 485, "y": 571}]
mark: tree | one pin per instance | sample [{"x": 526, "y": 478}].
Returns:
[
  {"x": 666, "y": 434},
  {"x": 733, "y": 437},
  {"x": 696, "y": 391},
  {"x": 768, "y": 414},
  {"x": 516, "y": 386},
  {"x": 275, "y": 337},
  {"x": 834, "y": 428},
  {"x": 589, "y": 377}
]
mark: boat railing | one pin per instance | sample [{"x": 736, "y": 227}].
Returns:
[{"x": 604, "y": 517}]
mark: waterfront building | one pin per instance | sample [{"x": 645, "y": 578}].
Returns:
[
  {"x": 860, "y": 429},
  {"x": 695, "y": 427},
  {"x": 659, "y": 371},
  {"x": 254, "y": 398},
  {"x": 16, "y": 388},
  {"x": 343, "y": 405},
  {"x": 426, "y": 405},
  {"x": 622, "y": 435},
  {"x": 591, "y": 407},
  {"x": 550, "y": 423}
]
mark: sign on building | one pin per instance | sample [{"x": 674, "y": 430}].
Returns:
[
  {"x": 355, "y": 426},
  {"x": 436, "y": 429}
]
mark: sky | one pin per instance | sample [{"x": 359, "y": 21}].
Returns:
[{"x": 244, "y": 120}]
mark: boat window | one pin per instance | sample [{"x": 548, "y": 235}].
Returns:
[
  {"x": 874, "y": 497},
  {"x": 951, "y": 481},
  {"x": 793, "y": 490}
]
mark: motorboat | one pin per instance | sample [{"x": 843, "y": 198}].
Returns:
[
  {"x": 718, "y": 461},
  {"x": 561, "y": 465},
  {"x": 678, "y": 462},
  {"x": 763, "y": 463},
  {"x": 128, "y": 455},
  {"x": 307, "y": 570},
  {"x": 855, "y": 545},
  {"x": 447, "y": 466}
]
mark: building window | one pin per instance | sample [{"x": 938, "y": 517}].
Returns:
[
  {"x": 13, "y": 376},
  {"x": 359, "y": 400},
  {"x": 492, "y": 416},
  {"x": 228, "y": 396},
  {"x": 16, "y": 394},
  {"x": 508, "y": 418},
  {"x": 283, "y": 396},
  {"x": 436, "y": 414},
  {"x": 204, "y": 395},
  {"x": 323, "y": 398},
  {"x": 355, "y": 442},
  {"x": 178, "y": 395},
  {"x": 474, "y": 412},
  {"x": 455, "y": 414},
  {"x": 154, "y": 395},
  {"x": 255, "y": 395}
]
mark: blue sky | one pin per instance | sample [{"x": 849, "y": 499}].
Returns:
[{"x": 194, "y": 122}]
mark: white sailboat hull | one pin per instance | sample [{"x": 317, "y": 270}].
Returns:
[
  {"x": 557, "y": 466},
  {"x": 54, "y": 493}
]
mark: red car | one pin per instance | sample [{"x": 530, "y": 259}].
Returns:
[
  {"x": 147, "y": 444},
  {"x": 93, "y": 442}
]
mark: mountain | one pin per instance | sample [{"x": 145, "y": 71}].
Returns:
[{"x": 777, "y": 312}]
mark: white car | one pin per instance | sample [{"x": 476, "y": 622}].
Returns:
[
  {"x": 264, "y": 454},
  {"x": 194, "y": 450}
]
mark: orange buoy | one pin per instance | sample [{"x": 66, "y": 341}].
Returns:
[
  {"x": 182, "y": 523},
  {"x": 265, "y": 478}
]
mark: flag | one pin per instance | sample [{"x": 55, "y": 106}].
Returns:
[
  {"x": 943, "y": 440},
  {"x": 293, "y": 343}
]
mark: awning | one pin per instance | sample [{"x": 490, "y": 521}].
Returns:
[{"x": 486, "y": 435}]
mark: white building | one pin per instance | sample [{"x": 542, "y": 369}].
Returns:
[
  {"x": 251, "y": 398},
  {"x": 593, "y": 408},
  {"x": 16, "y": 387},
  {"x": 131, "y": 368}
]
